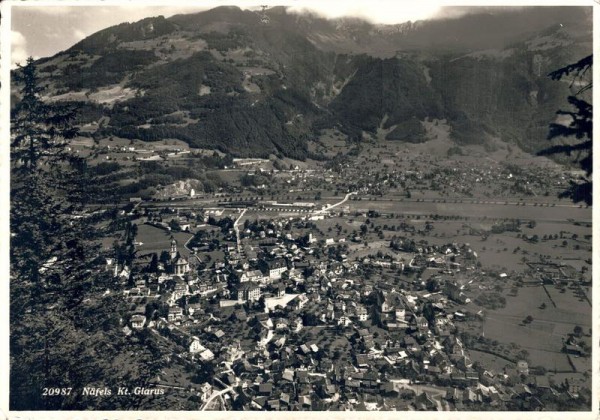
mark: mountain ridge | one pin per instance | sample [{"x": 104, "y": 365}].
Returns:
[{"x": 239, "y": 84}]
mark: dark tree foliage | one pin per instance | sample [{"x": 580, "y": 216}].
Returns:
[
  {"x": 46, "y": 249},
  {"x": 48, "y": 186},
  {"x": 38, "y": 129},
  {"x": 410, "y": 131},
  {"x": 63, "y": 332},
  {"x": 580, "y": 128}
]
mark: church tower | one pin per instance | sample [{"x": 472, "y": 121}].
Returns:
[
  {"x": 178, "y": 265},
  {"x": 173, "y": 248}
]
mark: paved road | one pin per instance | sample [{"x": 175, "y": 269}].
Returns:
[
  {"x": 336, "y": 204},
  {"x": 185, "y": 245},
  {"x": 237, "y": 231},
  {"x": 215, "y": 395}
]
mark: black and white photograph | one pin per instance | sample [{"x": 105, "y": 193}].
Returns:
[{"x": 298, "y": 206}]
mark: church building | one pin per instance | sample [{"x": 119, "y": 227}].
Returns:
[{"x": 178, "y": 265}]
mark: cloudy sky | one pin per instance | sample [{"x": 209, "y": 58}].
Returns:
[{"x": 43, "y": 30}]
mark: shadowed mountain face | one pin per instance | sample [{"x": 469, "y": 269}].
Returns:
[{"x": 252, "y": 84}]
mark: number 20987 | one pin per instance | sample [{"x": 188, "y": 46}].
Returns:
[{"x": 53, "y": 392}]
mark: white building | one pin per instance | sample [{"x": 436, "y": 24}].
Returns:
[{"x": 195, "y": 346}]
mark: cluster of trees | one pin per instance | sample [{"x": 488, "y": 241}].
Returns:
[
  {"x": 108, "y": 69},
  {"x": 224, "y": 42},
  {"x": 105, "y": 40},
  {"x": 394, "y": 87},
  {"x": 181, "y": 79},
  {"x": 466, "y": 130},
  {"x": 403, "y": 244},
  {"x": 150, "y": 174},
  {"x": 48, "y": 256},
  {"x": 253, "y": 180},
  {"x": 578, "y": 129},
  {"x": 63, "y": 332},
  {"x": 491, "y": 300},
  {"x": 227, "y": 124},
  {"x": 411, "y": 131},
  {"x": 507, "y": 226}
]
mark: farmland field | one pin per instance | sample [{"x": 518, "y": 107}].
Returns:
[
  {"x": 543, "y": 337},
  {"x": 560, "y": 213},
  {"x": 156, "y": 240},
  {"x": 489, "y": 360}
]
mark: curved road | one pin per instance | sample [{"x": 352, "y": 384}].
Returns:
[
  {"x": 336, "y": 204},
  {"x": 215, "y": 395},
  {"x": 237, "y": 230}
]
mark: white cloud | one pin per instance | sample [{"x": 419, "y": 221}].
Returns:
[
  {"x": 79, "y": 34},
  {"x": 378, "y": 11},
  {"x": 52, "y": 10},
  {"x": 19, "y": 52}
]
